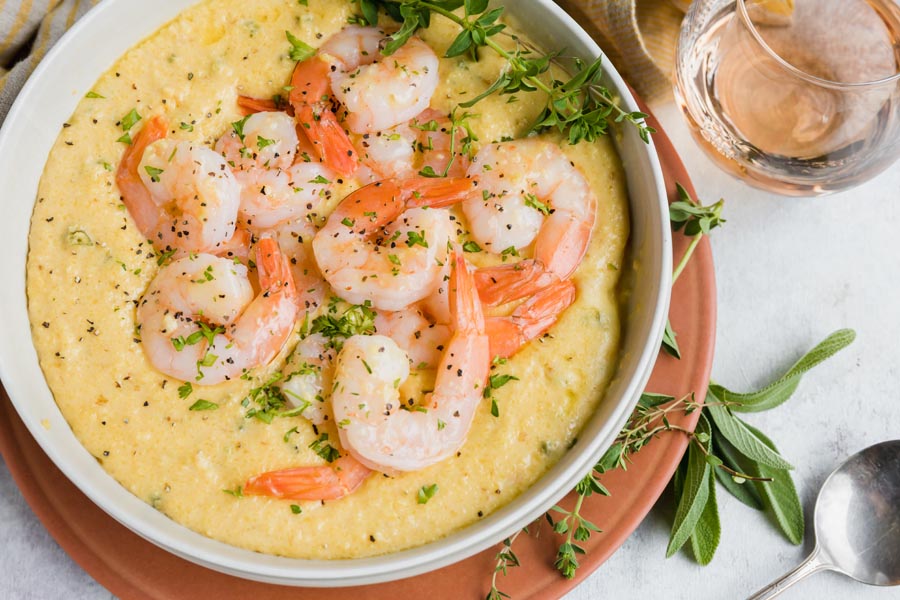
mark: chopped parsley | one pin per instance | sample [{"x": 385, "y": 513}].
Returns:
[
  {"x": 511, "y": 251},
  {"x": 325, "y": 450},
  {"x": 270, "y": 402},
  {"x": 165, "y": 256},
  {"x": 471, "y": 246},
  {"x": 93, "y": 94},
  {"x": 287, "y": 434},
  {"x": 154, "y": 173},
  {"x": 358, "y": 319},
  {"x": 426, "y": 493},
  {"x": 296, "y": 509},
  {"x": 238, "y": 127},
  {"x": 495, "y": 382},
  {"x": 204, "y": 405},
  {"x": 300, "y": 50},
  {"x": 414, "y": 238},
  {"x": 130, "y": 120},
  {"x": 532, "y": 201},
  {"x": 185, "y": 390},
  {"x": 205, "y": 332}
]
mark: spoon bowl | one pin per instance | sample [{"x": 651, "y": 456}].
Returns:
[{"x": 857, "y": 522}]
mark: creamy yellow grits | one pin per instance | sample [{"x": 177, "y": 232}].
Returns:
[{"x": 82, "y": 300}]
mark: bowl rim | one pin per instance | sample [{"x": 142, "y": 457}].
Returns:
[{"x": 53, "y": 434}]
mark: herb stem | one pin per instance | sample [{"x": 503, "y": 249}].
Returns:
[
  {"x": 512, "y": 60},
  {"x": 729, "y": 470},
  {"x": 503, "y": 560},
  {"x": 687, "y": 257}
]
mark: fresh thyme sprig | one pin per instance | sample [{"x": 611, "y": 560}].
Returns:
[
  {"x": 506, "y": 558},
  {"x": 579, "y": 108},
  {"x": 696, "y": 221}
]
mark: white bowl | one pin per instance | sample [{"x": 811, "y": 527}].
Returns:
[{"x": 31, "y": 128}]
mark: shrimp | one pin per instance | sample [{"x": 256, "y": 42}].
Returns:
[
  {"x": 413, "y": 147},
  {"x": 529, "y": 192},
  {"x": 295, "y": 239},
  {"x": 307, "y": 378},
  {"x": 327, "y": 482},
  {"x": 382, "y": 244},
  {"x": 262, "y": 149},
  {"x": 181, "y": 196},
  {"x": 376, "y": 92},
  {"x": 199, "y": 319},
  {"x": 530, "y": 319},
  {"x": 366, "y": 399},
  {"x": 421, "y": 339}
]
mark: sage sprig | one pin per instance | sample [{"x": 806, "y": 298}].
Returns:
[{"x": 752, "y": 469}]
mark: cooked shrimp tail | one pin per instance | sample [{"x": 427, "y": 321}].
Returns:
[
  {"x": 274, "y": 271},
  {"x": 310, "y": 99},
  {"x": 530, "y": 319},
  {"x": 327, "y": 482},
  {"x": 252, "y": 106},
  {"x": 505, "y": 283},
  {"x": 439, "y": 192},
  {"x": 135, "y": 195},
  {"x": 529, "y": 192}
]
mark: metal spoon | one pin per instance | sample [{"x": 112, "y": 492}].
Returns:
[{"x": 857, "y": 522}]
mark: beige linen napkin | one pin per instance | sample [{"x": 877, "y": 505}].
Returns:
[
  {"x": 28, "y": 29},
  {"x": 638, "y": 36}
]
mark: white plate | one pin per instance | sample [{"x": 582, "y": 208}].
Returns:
[{"x": 30, "y": 130}]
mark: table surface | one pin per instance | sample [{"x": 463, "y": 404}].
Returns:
[{"x": 789, "y": 272}]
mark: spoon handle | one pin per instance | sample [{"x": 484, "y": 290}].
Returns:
[{"x": 809, "y": 566}]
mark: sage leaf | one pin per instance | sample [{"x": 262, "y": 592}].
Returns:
[
  {"x": 708, "y": 531},
  {"x": 779, "y": 495},
  {"x": 782, "y": 388},
  {"x": 694, "y": 495},
  {"x": 669, "y": 343},
  {"x": 745, "y": 492},
  {"x": 741, "y": 438}
]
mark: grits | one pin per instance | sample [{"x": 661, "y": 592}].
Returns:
[{"x": 88, "y": 265}]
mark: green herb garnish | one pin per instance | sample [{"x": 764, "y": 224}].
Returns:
[
  {"x": 325, "y": 450},
  {"x": 300, "y": 50},
  {"x": 204, "y": 405},
  {"x": 426, "y": 493}
]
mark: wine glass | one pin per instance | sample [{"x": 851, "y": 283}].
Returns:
[{"x": 801, "y": 97}]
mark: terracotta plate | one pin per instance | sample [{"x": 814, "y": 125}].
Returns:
[{"x": 133, "y": 568}]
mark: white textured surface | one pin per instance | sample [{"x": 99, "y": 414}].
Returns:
[{"x": 789, "y": 271}]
